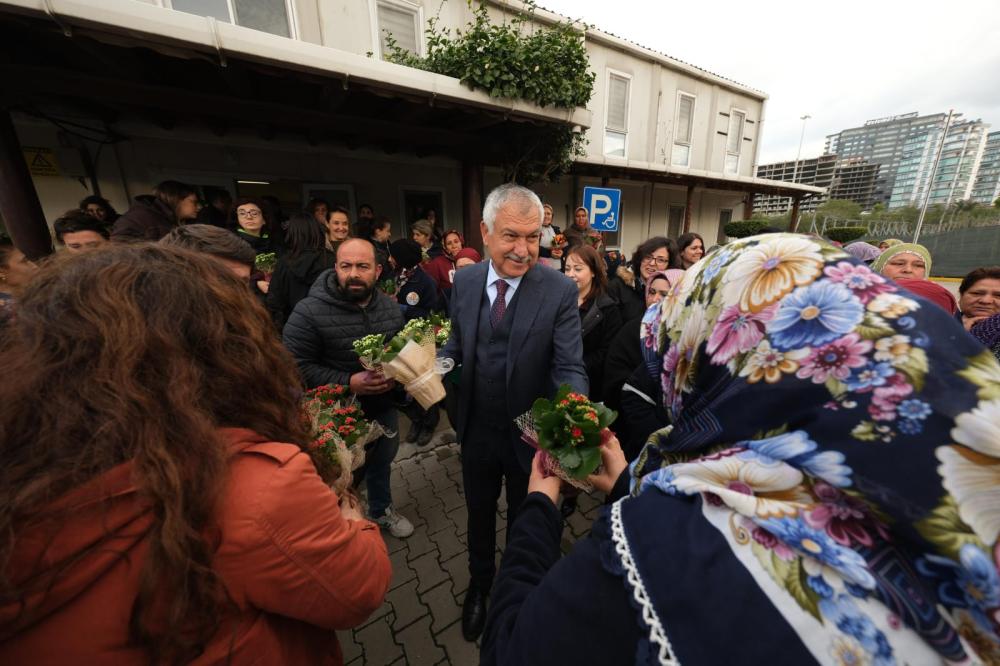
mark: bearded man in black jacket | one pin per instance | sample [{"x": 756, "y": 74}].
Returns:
[{"x": 342, "y": 306}]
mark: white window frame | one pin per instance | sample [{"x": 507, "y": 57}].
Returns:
[
  {"x": 739, "y": 146},
  {"x": 406, "y": 5},
  {"x": 677, "y": 114},
  {"x": 607, "y": 108},
  {"x": 293, "y": 21}
]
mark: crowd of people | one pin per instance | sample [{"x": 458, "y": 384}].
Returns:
[{"x": 804, "y": 461}]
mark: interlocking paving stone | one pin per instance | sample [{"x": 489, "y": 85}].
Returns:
[
  {"x": 377, "y": 640},
  {"x": 418, "y": 643},
  {"x": 418, "y": 544},
  {"x": 401, "y": 572},
  {"x": 441, "y": 602},
  {"x": 460, "y": 651},
  {"x": 460, "y": 517},
  {"x": 351, "y": 648},
  {"x": 458, "y": 572},
  {"x": 429, "y": 571},
  {"x": 406, "y": 605},
  {"x": 448, "y": 543}
]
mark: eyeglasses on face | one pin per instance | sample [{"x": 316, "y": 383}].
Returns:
[
  {"x": 252, "y": 214},
  {"x": 659, "y": 261}
]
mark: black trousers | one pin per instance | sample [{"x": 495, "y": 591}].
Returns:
[{"x": 487, "y": 460}]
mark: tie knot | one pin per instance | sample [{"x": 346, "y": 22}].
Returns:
[{"x": 501, "y": 287}]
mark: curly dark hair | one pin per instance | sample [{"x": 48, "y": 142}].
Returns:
[
  {"x": 646, "y": 249},
  {"x": 144, "y": 365}
]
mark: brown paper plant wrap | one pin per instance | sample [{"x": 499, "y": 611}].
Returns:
[
  {"x": 410, "y": 357},
  {"x": 340, "y": 430},
  {"x": 567, "y": 429}
]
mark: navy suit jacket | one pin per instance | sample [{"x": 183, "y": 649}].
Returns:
[{"x": 545, "y": 348}]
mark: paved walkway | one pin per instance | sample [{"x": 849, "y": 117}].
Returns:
[{"x": 420, "y": 622}]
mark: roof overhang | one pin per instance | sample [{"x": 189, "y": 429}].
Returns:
[
  {"x": 103, "y": 39},
  {"x": 662, "y": 173}
]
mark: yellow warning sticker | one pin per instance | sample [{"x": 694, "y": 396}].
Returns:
[{"x": 41, "y": 161}]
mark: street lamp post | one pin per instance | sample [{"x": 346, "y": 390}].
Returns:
[{"x": 798, "y": 155}]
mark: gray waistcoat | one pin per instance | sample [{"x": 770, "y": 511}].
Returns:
[{"x": 489, "y": 397}]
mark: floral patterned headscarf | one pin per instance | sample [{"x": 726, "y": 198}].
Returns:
[{"x": 844, "y": 435}]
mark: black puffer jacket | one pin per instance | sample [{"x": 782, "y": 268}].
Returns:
[
  {"x": 323, "y": 327},
  {"x": 149, "y": 219},
  {"x": 292, "y": 279}
]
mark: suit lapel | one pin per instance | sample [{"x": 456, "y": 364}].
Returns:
[
  {"x": 529, "y": 300},
  {"x": 470, "y": 319}
]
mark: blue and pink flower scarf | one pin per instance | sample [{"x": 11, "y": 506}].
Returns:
[{"x": 844, "y": 435}]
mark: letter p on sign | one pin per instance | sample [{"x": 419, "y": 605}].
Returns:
[{"x": 602, "y": 204}]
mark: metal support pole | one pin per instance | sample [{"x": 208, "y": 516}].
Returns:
[
  {"x": 687, "y": 208},
  {"x": 19, "y": 205},
  {"x": 930, "y": 181},
  {"x": 472, "y": 203},
  {"x": 793, "y": 223}
]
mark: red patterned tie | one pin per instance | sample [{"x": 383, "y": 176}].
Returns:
[{"x": 499, "y": 303}]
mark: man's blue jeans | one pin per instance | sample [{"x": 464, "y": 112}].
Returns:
[{"x": 378, "y": 464}]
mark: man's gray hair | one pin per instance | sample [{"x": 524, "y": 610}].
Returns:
[{"x": 511, "y": 194}]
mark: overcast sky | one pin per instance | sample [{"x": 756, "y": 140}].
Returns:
[{"x": 841, "y": 62}]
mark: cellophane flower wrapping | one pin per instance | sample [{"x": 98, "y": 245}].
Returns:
[
  {"x": 340, "y": 430},
  {"x": 411, "y": 358},
  {"x": 567, "y": 429}
]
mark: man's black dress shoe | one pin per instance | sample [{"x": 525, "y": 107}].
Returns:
[{"x": 473, "y": 613}]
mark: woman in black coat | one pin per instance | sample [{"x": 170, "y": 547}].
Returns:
[
  {"x": 599, "y": 313},
  {"x": 298, "y": 269},
  {"x": 628, "y": 286}
]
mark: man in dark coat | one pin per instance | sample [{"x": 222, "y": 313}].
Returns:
[
  {"x": 516, "y": 332},
  {"x": 342, "y": 306}
]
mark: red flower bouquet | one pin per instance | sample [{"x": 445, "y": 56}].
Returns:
[
  {"x": 340, "y": 430},
  {"x": 568, "y": 429}
]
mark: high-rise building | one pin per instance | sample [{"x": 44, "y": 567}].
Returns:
[
  {"x": 955, "y": 176},
  {"x": 881, "y": 141},
  {"x": 986, "y": 188},
  {"x": 852, "y": 179}
]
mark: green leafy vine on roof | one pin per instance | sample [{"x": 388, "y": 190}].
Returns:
[{"x": 515, "y": 59}]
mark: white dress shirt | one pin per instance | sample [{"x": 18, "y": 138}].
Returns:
[{"x": 491, "y": 288}]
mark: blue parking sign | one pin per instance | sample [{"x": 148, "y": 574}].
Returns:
[{"x": 602, "y": 204}]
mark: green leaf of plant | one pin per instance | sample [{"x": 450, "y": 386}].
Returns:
[{"x": 795, "y": 583}]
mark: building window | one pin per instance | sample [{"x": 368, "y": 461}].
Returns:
[
  {"x": 683, "y": 130},
  {"x": 725, "y": 217},
  {"x": 734, "y": 140},
  {"x": 403, "y": 21},
  {"x": 616, "y": 121},
  {"x": 273, "y": 16}
]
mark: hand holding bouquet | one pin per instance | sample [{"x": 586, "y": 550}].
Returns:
[
  {"x": 569, "y": 430},
  {"x": 265, "y": 263},
  {"x": 339, "y": 430},
  {"x": 595, "y": 239},
  {"x": 558, "y": 241}
]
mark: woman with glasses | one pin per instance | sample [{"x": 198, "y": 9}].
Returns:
[
  {"x": 251, "y": 224},
  {"x": 628, "y": 287}
]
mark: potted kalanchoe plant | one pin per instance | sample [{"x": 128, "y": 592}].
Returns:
[
  {"x": 569, "y": 430},
  {"x": 339, "y": 430}
]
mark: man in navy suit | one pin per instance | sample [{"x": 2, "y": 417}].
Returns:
[{"x": 516, "y": 334}]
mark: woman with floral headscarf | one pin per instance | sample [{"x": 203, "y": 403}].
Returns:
[{"x": 829, "y": 490}]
